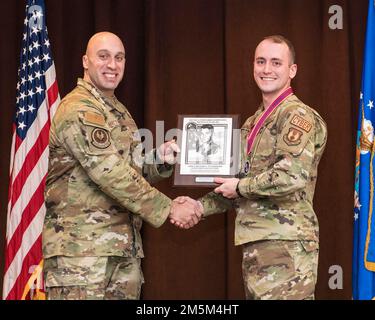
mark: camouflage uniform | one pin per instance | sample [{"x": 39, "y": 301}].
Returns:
[
  {"x": 277, "y": 183},
  {"x": 93, "y": 278},
  {"x": 97, "y": 194}
]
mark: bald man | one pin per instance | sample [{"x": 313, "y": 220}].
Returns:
[{"x": 97, "y": 189}]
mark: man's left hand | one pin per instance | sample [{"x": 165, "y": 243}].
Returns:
[
  {"x": 166, "y": 152},
  {"x": 227, "y": 187}
]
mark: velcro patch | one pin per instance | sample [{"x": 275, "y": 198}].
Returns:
[
  {"x": 301, "y": 123},
  {"x": 293, "y": 137},
  {"x": 94, "y": 119},
  {"x": 100, "y": 138}
]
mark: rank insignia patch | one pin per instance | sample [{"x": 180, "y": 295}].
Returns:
[
  {"x": 100, "y": 138},
  {"x": 293, "y": 137}
]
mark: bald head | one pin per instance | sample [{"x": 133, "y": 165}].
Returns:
[
  {"x": 104, "y": 62},
  {"x": 100, "y": 39}
]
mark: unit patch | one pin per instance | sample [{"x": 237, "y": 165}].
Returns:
[
  {"x": 293, "y": 137},
  {"x": 100, "y": 138}
]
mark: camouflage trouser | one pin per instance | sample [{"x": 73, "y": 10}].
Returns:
[
  {"x": 92, "y": 278},
  {"x": 280, "y": 270}
]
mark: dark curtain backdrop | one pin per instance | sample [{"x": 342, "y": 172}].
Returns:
[{"x": 195, "y": 56}]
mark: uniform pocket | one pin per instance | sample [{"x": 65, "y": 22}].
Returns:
[
  {"x": 74, "y": 271},
  {"x": 267, "y": 265}
]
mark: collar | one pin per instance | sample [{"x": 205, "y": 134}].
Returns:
[{"x": 112, "y": 102}]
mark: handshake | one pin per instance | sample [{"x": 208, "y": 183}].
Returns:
[{"x": 185, "y": 212}]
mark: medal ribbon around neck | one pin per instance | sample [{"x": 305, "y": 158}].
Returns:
[{"x": 251, "y": 137}]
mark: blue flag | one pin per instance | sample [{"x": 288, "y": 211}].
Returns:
[{"x": 364, "y": 199}]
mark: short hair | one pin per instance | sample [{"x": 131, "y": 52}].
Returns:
[
  {"x": 281, "y": 39},
  {"x": 207, "y": 126},
  {"x": 191, "y": 126}
]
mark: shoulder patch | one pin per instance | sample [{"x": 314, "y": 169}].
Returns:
[
  {"x": 293, "y": 137},
  {"x": 100, "y": 138},
  {"x": 94, "y": 118},
  {"x": 301, "y": 123},
  {"x": 295, "y": 132}
]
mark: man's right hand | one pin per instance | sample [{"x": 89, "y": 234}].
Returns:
[{"x": 185, "y": 212}]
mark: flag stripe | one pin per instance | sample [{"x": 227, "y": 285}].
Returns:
[
  {"x": 12, "y": 150},
  {"x": 30, "y": 159},
  {"x": 52, "y": 88},
  {"x": 32, "y": 208},
  {"x": 31, "y": 184},
  {"x": 21, "y": 261},
  {"x": 11, "y": 170}
]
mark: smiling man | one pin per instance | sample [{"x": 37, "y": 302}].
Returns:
[
  {"x": 104, "y": 62},
  {"x": 97, "y": 188},
  {"x": 282, "y": 144},
  {"x": 274, "y": 67}
]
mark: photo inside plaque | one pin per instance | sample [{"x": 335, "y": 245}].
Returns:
[
  {"x": 206, "y": 149},
  {"x": 206, "y": 143}
]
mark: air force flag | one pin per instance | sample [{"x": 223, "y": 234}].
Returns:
[{"x": 364, "y": 201}]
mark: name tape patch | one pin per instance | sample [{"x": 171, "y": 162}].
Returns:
[{"x": 94, "y": 118}]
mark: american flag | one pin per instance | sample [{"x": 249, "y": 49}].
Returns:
[{"x": 36, "y": 101}]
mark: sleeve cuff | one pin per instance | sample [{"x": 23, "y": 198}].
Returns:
[
  {"x": 158, "y": 217},
  {"x": 244, "y": 187}
]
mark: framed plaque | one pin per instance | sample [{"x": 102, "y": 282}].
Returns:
[{"x": 209, "y": 147}]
